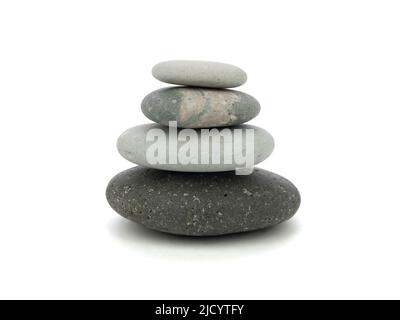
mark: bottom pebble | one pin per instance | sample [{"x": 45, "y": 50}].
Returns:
[{"x": 202, "y": 204}]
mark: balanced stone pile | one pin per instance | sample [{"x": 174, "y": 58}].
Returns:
[{"x": 193, "y": 181}]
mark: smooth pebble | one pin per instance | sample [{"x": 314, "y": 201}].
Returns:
[
  {"x": 202, "y": 204},
  {"x": 243, "y": 146},
  {"x": 199, "y": 73},
  {"x": 199, "y": 107}
]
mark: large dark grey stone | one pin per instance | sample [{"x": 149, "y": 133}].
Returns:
[{"x": 202, "y": 204}]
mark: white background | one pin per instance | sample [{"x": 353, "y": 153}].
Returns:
[{"x": 72, "y": 77}]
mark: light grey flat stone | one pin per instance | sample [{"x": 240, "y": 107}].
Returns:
[
  {"x": 134, "y": 145},
  {"x": 199, "y": 73},
  {"x": 195, "y": 107},
  {"x": 202, "y": 204}
]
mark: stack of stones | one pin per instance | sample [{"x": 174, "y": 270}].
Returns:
[{"x": 182, "y": 189}]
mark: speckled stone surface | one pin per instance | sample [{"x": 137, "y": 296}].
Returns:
[
  {"x": 199, "y": 73},
  {"x": 202, "y": 204},
  {"x": 133, "y": 146},
  {"x": 199, "y": 107}
]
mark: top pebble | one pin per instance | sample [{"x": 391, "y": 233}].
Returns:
[{"x": 206, "y": 74}]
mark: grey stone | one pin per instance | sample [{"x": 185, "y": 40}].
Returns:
[
  {"x": 202, "y": 204},
  {"x": 199, "y": 73},
  {"x": 199, "y": 107},
  {"x": 134, "y": 145}
]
